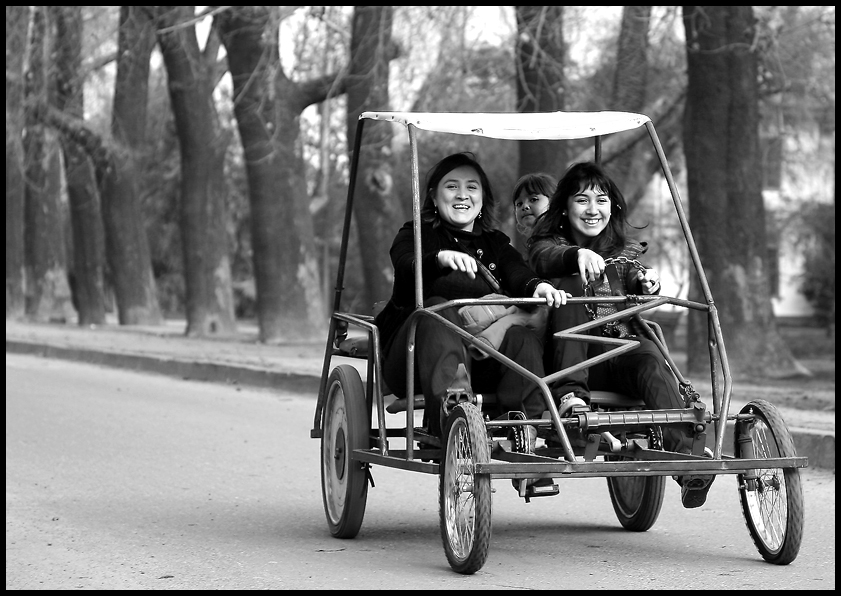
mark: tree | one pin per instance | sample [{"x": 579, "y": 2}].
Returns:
[
  {"x": 17, "y": 18},
  {"x": 192, "y": 76},
  {"x": 630, "y": 84},
  {"x": 541, "y": 86},
  {"x": 268, "y": 108},
  {"x": 87, "y": 232},
  {"x": 47, "y": 288},
  {"x": 721, "y": 144},
  {"x": 127, "y": 247},
  {"x": 376, "y": 209}
]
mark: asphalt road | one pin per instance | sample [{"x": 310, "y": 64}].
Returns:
[{"x": 122, "y": 480}]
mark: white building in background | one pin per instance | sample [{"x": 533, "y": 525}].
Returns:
[{"x": 798, "y": 170}]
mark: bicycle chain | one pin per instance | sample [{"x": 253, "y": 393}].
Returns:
[{"x": 610, "y": 329}]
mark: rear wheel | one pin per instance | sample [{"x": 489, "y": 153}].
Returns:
[
  {"x": 772, "y": 503},
  {"x": 464, "y": 496},
  {"x": 637, "y": 500},
  {"x": 344, "y": 482}
]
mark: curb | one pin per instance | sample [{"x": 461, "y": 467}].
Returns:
[
  {"x": 818, "y": 446},
  {"x": 183, "y": 369}
]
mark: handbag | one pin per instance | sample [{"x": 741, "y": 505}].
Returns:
[
  {"x": 490, "y": 322},
  {"x": 475, "y": 318}
]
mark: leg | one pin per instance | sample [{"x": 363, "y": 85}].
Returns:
[
  {"x": 514, "y": 391},
  {"x": 438, "y": 352},
  {"x": 644, "y": 373},
  {"x": 566, "y": 353}
]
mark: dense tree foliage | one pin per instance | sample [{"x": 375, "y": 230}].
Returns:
[{"x": 259, "y": 176}]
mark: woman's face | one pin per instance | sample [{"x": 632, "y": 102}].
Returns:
[
  {"x": 528, "y": 206},
  {"x": 589, "y": 213},
  {"x": 459, "y": 197}
]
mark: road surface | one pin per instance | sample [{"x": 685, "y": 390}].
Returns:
[{"x": 121, "y": 480}]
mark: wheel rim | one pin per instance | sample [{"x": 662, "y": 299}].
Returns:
[
  {"x": 334, "y": 454},
  {"x": 768, "y": 504},
  {"x": 459, "y": 497}
]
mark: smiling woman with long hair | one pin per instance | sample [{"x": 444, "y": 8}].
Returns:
[{"x": 585, "y": 224}]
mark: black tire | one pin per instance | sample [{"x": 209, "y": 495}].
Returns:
[
  {"x": 773, "y": 506},
  {"x": 464, "y": 498},
  {"x": 637, "y": 500},
  {"x": 344, "y": 482}
]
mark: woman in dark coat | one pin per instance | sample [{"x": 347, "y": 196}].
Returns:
[
  {"x": 585, "y": 224},
  {"x": 457, "y": 228}
]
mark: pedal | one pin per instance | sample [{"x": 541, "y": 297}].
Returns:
[
  {"x": 542, "y": 487},
  {"x": 547, "y": 490}
]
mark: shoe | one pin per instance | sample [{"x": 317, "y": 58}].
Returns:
[
  {"x": 531, "y": 436},
  {"x": 568, "y": 402},
  {"x": 694, "y": 489}
]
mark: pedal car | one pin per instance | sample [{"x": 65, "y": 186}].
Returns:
[{"x": 615, "y": 437}]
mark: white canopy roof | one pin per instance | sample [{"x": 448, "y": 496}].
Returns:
[{"x": 517, "y": 126}]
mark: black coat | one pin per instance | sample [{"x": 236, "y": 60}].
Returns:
[{"x": 493, "y": 248}]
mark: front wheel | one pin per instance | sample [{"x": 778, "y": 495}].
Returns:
[
  {"x": 464, "y": 496},
  {"x": 344, "y": 482},
  {"x": 772, "y": 502}
]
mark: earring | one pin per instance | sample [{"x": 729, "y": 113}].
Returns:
[
  {"x": 564, "y": 213},
  {"x": 479, "y": 216}
]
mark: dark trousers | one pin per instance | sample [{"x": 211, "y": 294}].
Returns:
[
  {"x": 641, "y": 373},
  {"x": 438, "y": 352}
]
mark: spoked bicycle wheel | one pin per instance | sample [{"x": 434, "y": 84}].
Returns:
[
  {"x": 772, "y": 504},
  {"x": 465, "y": 497},
  {"x": 344, "y": 482}
]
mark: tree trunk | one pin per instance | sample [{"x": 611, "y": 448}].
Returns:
[
  {"x": 127, "y": 246},
  {"x": 47, "y": 288},
  {"x": 540, "y": 82},
  {"x": 207, "y": 267},
  {"x": 268, "y": 107},
  {"x": 629, "y": 85},
  {"x": 376, "y": 210},
  {"x": 88, "y": 235},
  {"x": 721, "y": 142},
  {"x": 17, "y": 20}
]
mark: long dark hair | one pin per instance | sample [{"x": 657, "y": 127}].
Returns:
[
  {"x": 487, "y": 219},
  {"x": 581, "y": 176}
]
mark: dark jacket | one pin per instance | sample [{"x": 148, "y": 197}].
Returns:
[
  {"x": 493, "y": 248},
  {"x": 555, "y": 257}
]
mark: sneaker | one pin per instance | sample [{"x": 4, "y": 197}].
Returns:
[
  {"x": 568, "y": 402},
  {"x": 531, "y": 434},
  {"x": 694, "y": 489}
]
